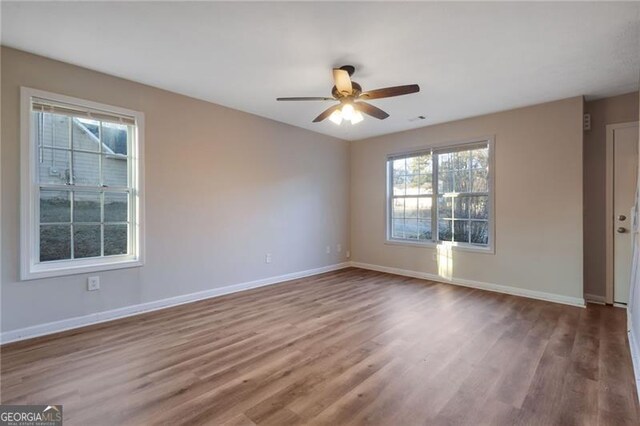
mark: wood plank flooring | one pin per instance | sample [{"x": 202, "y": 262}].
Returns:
[{"x": 347, "y": 347}]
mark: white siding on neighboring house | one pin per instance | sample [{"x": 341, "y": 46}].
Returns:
[{"x": 53, "y": 131}]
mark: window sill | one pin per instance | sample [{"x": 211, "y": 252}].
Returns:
[
  {"x": 65, "y": 268},
  {"x": 435, "y": 245}
]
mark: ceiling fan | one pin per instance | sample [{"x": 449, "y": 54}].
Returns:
[{"x": 351, "y": 98}]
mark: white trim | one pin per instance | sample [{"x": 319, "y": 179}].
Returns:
[
  {"x": 634, "y": 347},
  {"x": 532, "y": 294},
  {"x": 30, "y": 267},
  {"x": 595, "y": 298},
  {"x": 609, "y": 216},
  {"x": 127, "y": 311}
]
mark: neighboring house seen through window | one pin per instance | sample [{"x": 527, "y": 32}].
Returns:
[
  {"x": 84, "y": 196},
  {"x": 441, "y": 195}
]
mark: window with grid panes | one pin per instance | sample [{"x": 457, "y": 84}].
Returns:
[
  {"x": 441, "y": 195},
  {"x": 85, "y": 189}
]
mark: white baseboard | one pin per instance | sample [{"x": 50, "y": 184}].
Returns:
[
  {"x": 532, "y": 294},
  {"x": 127, "y": 311},
  {"x": 595, "y": 298}
]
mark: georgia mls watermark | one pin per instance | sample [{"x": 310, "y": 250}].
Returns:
[{"x": 30, "y": 415}]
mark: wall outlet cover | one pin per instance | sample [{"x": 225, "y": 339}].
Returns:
[{"x": 93, "y": 283}]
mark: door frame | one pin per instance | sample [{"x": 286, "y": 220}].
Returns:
[{"x": 609, "y": 207}]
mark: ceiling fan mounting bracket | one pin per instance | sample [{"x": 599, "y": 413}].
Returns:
[{"x": 349, "y": 69}]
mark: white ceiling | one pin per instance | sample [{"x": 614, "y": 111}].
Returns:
[{"x": 468, "y": 58}]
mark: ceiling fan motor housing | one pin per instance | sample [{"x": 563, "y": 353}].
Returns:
[{"x": 357, "y": 89}]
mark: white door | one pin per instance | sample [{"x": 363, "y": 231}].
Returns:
[{"x": 625, "y": 166}]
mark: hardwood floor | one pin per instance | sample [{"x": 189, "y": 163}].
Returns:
[{"x": 347, "y": 347}]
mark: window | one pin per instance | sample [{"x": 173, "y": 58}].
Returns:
[
  {"x": 81, "y": 186},
  {"x": 441, "y": 195}
]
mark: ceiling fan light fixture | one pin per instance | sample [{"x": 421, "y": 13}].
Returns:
[
  {"x": 351, "y": 97},
  {"x": 336, "y": 117},
  {"x": 347, "y": 111}
]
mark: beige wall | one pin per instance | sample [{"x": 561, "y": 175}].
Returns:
[
  {"x": 616, "y": 109},
  {"x": 222, "y": 189},
  {"x": 538, "y": 205}
]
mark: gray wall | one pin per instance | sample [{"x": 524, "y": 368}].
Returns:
[
  {"x": 538, "y": 202},
  {"x": 616, "y": 109},
  {"x": 222, "y": 189}
]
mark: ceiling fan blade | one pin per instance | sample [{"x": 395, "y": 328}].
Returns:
[
  {"x": 371, "y": 110},
  {"x": 388, "y": 92},
  {"x": 343, "y": 81},
  {"x": 307, "y": 98},
  {"x": 326, "y": 113}
]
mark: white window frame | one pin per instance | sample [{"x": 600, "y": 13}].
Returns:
[
  {"x": 434, "y": 243},
  {"x": 31, "y": 267}
]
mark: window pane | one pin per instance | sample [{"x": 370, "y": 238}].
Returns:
[
  {"x": 410, "y": 207},
  {"x": 86, "y": 134},
  {"x": 479, "y": 207},
  {"x": 115, "y": 239},
  {"x": 55, "y": 206},
  {"x": 114, "y": 170},
  {"x": 86, "y": 207},
  {"x": 480, "y": 158},
  {"x": 413, "y": 182},
  {"x": 461, "y": 231},
  {"x": 86, "y": 241},
  {"x": 51, "y": 130},
  {"x": 445, "y": 162},
  {"x": 480, "y": 181},
  {"x": 424, "y": 207},
  {"x": 444, "y": 207},
  {"x": 411, "y": 229},
  {"x": 398, "y": 208},
  {"x": 116, "y": 206},
  {"x": 86, "y": 169},
  {"x": 444, "y": 230},
  {"x": 424, "y": 164},
  {"x": 55, "y": 242},
  {"x": 461, "y": 207},
  {"x": 399, "y": 167},
  {"x": 461, "y": 160},
  {"x": 424, "y": 229},
  {"x": 462, "y": 181},
  {"x": 461, "y": 173},
  {"x": 398, "y": 185},
  {"x": 411, "y": 165},
  {"x": 397, "y": 228},
  {"x": 114, "y": 138},
  {"x": 445, "y": 181},
  {"x": 425, "y": 185},
  {"x": 54, "y": 166},
  {"x": 479, "y": 232}
]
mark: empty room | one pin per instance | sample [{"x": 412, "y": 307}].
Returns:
[{"x": 319, "y": 213}]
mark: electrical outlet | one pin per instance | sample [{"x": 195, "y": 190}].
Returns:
[
  {"x": 93, "y": 283},
  {"x": 434, "y": 256},
  {"x": 339, "y": 248},
  {"x": 328, "y": 249},
  {"x": 348, "y": 254},
  {"x": 267, "y": 258}
]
